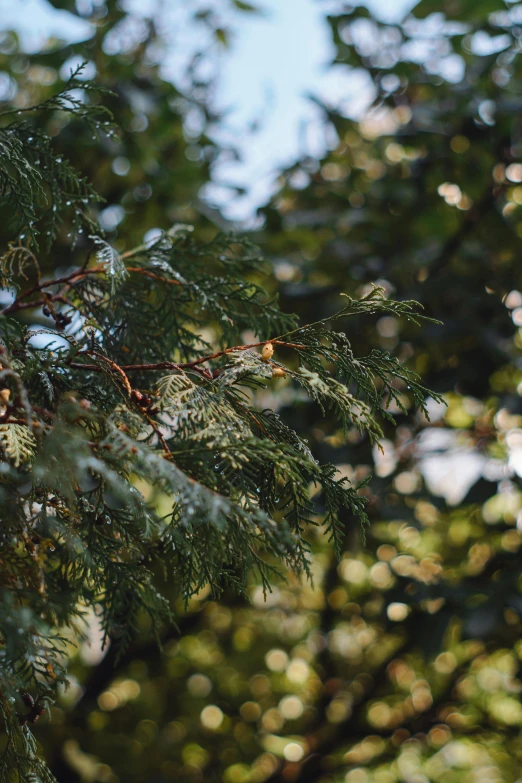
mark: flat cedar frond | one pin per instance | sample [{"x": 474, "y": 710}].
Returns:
[
  {"x": 39, "y": 189},
  {"x": 15, "y": 263},
  {"x": 145, "y": 387},
  {"x": 114, "y": 267},
  {"x": 18, "y": 442}
]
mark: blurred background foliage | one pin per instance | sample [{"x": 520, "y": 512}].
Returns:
[{"x": 402, "y": 661}]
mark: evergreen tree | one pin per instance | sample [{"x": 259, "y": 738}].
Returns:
[{"x": 138, "y": 383}]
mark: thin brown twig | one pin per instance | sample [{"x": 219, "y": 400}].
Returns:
[
  {"x": 137, "y": 367},
  {"x": 147, "y": 273},
  {"x": 158, "y": 432},
  {"x": 68, "y": 281},
  {"x": 183, "y": 365},
  {"x": 115, "y": 367},
  {"x": 21, "y": 306},
  {"x": 8, "y": 419},
  {"x": 133, "y": 395},
  {"x": 79, "y": 273},
  {"x": 241, "y": 348}
]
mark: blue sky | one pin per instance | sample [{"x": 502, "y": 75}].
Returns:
[{"x": 274, "y": 62}]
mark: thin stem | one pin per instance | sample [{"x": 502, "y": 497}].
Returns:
[
  {"x": 72, "y": 278},
  {"x": 182, "y": 365},
  {"x": 116, "y": 368},
  {"x": 240, "y": 348},
  {"x": 135, "y": 251},
  {"x": 155, "y": 427},
  {"x": 79, "y": 273},
  {"x": 147, "y": 273}
]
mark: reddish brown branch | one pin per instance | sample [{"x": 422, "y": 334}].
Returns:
[
  {"x": 21, "y": 306},
  {"x": 183, "y": 365},
  {"x": 147, "y": 273},
  {"x": 69, "y": 280},
  {"x": 8, "y": 419},
  {"x": 143, "y": 367},
  {"x": 79, "y": 273},
  {"x": 115, "y": 367},
  {"x": 238, "y": 348},
  {"x": 161, "y": 438}
]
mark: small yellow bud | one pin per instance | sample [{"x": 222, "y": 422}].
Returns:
[
  {"x": 278, "y": 372},
  {"x": 4, "y": 396},
  {"x": 267, "y": 352}
]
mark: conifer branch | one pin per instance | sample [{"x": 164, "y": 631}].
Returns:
[
  {"x": 77, "y": 433},
  {"x": 70, "y": 280}
]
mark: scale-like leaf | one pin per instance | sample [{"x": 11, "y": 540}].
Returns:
[{"x": 17, "y": 442}]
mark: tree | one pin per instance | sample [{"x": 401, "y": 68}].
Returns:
[{"x": 131, "y": 437}]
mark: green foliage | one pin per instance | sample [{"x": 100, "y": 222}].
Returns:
[
  {"x": 38, "y": 187},
  {"x": 20, "y": 749},
  {"x": 404, "y": 659},
  {"x": 133, "y": 438},
  {"x": 18, "y": 442}
]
